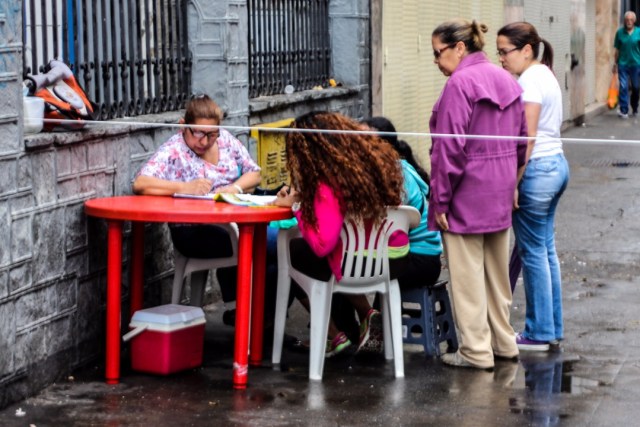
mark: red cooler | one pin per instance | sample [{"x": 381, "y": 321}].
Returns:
[{"x": 166, "y": 339}]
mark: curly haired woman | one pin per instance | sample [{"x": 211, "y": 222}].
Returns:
[{"x": 336, "y": 175}]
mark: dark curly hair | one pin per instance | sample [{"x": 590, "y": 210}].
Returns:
[{"x": 365, "y": 173}]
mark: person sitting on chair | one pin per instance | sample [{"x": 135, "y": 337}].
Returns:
[
  {"x": 200, "y": 159},
  {"x": 337, "y": 176}
]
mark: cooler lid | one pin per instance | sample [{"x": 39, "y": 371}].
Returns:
[{"x": 168, "y": 314}]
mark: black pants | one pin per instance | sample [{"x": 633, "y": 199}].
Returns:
[
  {"x": 207, "y": 241},
  {"x": 210, "y": 241},
  {"x": 411, "y": 271},
  {"x": 417, "y": 271}
]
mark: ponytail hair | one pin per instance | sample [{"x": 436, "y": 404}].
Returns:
[
  {"x": 521, "y": 34},
  {"x": 462, "y": 30}
]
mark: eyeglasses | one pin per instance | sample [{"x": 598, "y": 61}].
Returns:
[
  {"x": 505, "y": 52},
  {"x": 198, "y": 134},
  {"x": 438, "y": 52}
]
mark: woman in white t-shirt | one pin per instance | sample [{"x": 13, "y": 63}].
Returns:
[{"x": 541, "y": 183}]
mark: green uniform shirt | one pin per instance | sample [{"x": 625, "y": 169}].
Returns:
[{"x": 628, "y": 46}]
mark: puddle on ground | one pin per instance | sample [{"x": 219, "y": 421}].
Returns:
[{"x": 545, "y": 379}]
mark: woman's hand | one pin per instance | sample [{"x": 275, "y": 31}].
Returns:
[
  {"x": 516, "y": 194},
  {"x": 283, "y": 192},
  {"x": 441, "y": 220},
  {"x": 198, "y": 186},
  {"x": 286, "y": 197},
  {"x": 232, "y": 189}
]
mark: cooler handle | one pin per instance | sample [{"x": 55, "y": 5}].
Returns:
[{"x": 126, "y": 337}]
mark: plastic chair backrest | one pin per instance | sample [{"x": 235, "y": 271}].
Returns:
[{"x": 366, "y": 245}]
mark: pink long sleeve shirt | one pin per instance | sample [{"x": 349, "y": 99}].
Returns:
[{"x": 324, "y": 240}]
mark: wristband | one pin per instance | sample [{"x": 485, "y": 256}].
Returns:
[{"x": 238, "y": 188}]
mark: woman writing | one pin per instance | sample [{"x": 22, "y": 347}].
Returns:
[
  {"x": 541, "y": 183},
  {"x": 473, "y": 181},
  {"x": 337, "y": 176},
  {"x": 199, "y": 159},
  {"x": 423, "y": 265}
]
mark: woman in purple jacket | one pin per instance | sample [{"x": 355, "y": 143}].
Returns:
[{"x": 473, "y": 181}]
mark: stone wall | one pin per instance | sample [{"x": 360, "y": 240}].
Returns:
[{"x": 52, "y": 257}]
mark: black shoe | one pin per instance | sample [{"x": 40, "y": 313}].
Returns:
[
  {"x": 513, "y": 359},
  {"x": 229, "y": 317}
]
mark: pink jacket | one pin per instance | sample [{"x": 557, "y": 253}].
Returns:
[
  {"x": 325, "y": 240},
  {"x": 473, "y": 180}
]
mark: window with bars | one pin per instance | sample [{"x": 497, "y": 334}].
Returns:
[
  {"x": 288, "y": 45},
  {"x": 130, "y": 56}
]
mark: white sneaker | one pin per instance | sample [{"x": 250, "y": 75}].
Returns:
[{"x": 623, "y": 115}]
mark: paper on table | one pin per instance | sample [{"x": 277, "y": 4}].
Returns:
[
  {"x": 208, "y": 196},
  {"x": 235, "y": 199},
  {"x": 246, "y": 199}
]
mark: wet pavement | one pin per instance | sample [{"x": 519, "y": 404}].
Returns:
[{"x": 594, "y": 381}]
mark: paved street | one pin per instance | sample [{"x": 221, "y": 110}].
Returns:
[{"x": 595, "y": 380}]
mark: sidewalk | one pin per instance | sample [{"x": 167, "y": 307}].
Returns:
[{"x": 594, "y": 381}]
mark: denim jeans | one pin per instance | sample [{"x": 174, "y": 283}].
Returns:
[
  {"x": 629, "y": 78},
  {"x": 543, "y": 182}
]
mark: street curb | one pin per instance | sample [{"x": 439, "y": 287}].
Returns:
[{"x": 590, "y": 111}]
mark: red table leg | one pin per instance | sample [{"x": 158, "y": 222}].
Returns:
[
  {"x": 114, "y": 285},
  {"x": 257, "y": 294},
  {"x": 243, "y": 302},
  {"x": 137, "y": 268}
]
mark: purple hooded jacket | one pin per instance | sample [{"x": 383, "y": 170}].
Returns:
[{"x": 473, "y": 180}]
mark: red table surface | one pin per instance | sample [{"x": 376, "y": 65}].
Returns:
[
  {"x": 171, "y": 209},
  {"x": 251, "y": 251}
]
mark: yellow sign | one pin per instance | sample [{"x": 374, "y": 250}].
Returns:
[{"x": 271, "y": 154}]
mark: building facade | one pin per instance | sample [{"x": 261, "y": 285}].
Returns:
[{"x": 53, "y": 258}]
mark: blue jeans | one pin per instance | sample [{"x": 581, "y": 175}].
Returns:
[
  {"x": 542, "y": 184},
  {"x": 629, "y": 78}
]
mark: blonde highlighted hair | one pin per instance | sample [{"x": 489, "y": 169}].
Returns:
[{"x": 462, "y": 30}]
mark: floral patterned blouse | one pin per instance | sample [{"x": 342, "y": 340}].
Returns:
[{"x": 175, "y": 161}]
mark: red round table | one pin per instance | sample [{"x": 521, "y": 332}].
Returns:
[{"x": 252, "y": 242}]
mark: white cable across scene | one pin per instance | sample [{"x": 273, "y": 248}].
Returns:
[{"x": 330, "y": 131}]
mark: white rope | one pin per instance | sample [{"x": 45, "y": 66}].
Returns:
[{"x": 611, "y": 140}]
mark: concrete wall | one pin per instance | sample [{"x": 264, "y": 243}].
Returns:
[
  {"x": 607, "y": 23},
  {"x": 569, "y": 27},
  {"x": 52, "y": 257}
]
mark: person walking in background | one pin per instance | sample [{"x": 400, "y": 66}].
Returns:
[
  {"x": 627, "y": 65},
  {"x": 541, "y": 182},
  {"x": 473, "y": 181}
]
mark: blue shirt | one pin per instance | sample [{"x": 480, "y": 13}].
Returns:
[{"x": 421, "y": 240}]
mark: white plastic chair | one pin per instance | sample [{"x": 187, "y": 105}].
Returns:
[
  {"x": 184, "y": 266},
  {"x": 368, "y": 257}
]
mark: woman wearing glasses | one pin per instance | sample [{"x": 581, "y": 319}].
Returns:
[
  {"x": 541, "y": 183},
  {"x": 473, "y": 180},
  {"x": 200, "y": 159}
]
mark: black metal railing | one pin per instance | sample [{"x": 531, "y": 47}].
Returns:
[
  {"x": 288, "y": 45},
  {"x": 130, "y": 56}
]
